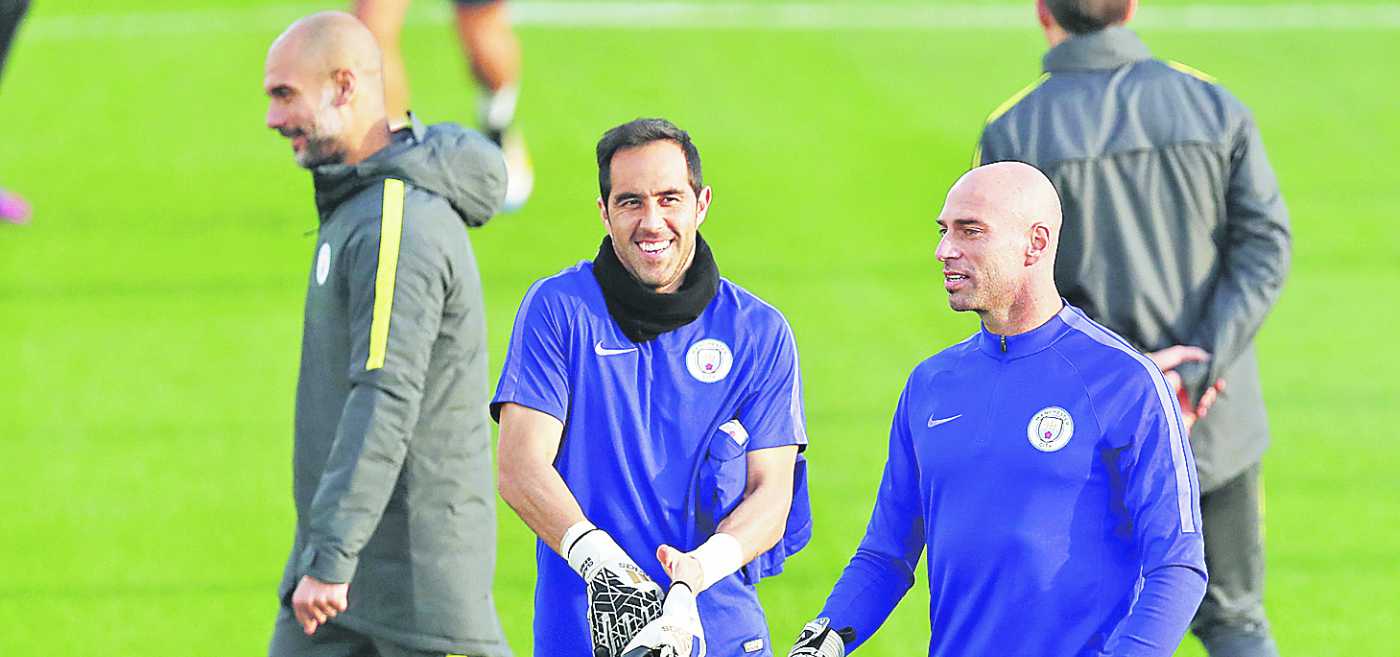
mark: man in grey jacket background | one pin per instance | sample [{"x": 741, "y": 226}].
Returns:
[
  {"x": 1177, "y": 238},
  {"x": 396, "y": 531}
]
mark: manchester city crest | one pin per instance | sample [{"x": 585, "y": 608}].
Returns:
[
  {"x": 709, "y": 360},
  {"x": 323, "y": 263},
  {"x": 1050, "y": 429}
]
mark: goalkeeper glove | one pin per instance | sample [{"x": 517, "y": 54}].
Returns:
[
  {"x": 675, "y": 632},
  {"x": 621, "y": 598},
  {"x": 819, "y": 640}
]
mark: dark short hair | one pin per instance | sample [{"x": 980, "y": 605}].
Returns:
[
  {"x": 640, "y": 132},
  {"x": 1085, "y": 16}
]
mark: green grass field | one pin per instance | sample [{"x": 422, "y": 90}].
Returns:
[{"x": 152, "y": 310}]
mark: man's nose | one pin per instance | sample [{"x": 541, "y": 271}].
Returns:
[
  {"x": 653, "y": 216},
  {"x": 945, "y": 250},
  {"x": 275, "y": 117}
]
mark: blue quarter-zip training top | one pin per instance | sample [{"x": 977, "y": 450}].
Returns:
[{"x": 1050, "y": 479}]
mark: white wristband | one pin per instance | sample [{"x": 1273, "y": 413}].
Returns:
[
  {"x": 571, "y": 536},
  {"x": 719, "y": 558},
  {"x": 593, "y": 549}
]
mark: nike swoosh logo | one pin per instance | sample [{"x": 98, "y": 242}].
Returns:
[
  {"x": 933, "y": 423},
  {"x": 604, "y": 351}
]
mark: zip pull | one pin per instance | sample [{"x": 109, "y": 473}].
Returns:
[{"x": 1003, "y": 344}]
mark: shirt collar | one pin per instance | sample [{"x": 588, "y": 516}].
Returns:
[
  {"x": 1108, "y": 48},
  {"x": 1011, "y": 347},
  {"x": 414, "y": 130}
]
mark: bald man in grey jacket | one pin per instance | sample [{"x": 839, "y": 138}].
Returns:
[
  {"x": 395, "y": 541},
  {"x": 1177, "y": 238}
]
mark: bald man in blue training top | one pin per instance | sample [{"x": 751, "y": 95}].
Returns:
[{"x": 1042, "y": 462}]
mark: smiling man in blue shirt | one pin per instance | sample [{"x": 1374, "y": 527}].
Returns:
[
  {"x": 1042, "y": 463},
  {"x": 646, "y": 403}
]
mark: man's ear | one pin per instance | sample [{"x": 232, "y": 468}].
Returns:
[
  {"x": 702, "y": 204},
  {"x": 346, "y": 84},
  {"x": 1042, "y": 13},
  {"x": 1039, "y": 244},
  {"x": 603, "y": 214}
]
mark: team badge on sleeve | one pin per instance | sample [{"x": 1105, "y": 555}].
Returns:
[
  {"x": 323, "y": 263},
  {"x": 709, "y": 360},
  {"x": 1050, "y": 429}
]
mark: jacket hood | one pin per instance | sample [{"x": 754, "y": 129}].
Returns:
[{"x": 460, "y": 165}]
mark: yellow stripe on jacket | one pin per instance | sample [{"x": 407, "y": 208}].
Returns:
[
  {"x": 1005, "y": 107},
  {"x": 1193, "y": 72},
  {"x": 1016, "y": 98},
  {"x": 390, "y": 230}
]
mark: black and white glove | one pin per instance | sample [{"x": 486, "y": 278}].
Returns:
[
  {"x": 677, "y": 633},
  {"x": 819, "y": 640},
  {"x": 622, "y": 599}
]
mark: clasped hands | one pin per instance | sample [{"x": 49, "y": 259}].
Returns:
[{"x": 1173, "y": 357}]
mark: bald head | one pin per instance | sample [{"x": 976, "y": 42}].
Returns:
[
  {"x": 1011, "y": 195},
  {"x": 326, "y": 90},
  {"x": 1000, "y": 228},
  {"x": 327, "y": 41}
]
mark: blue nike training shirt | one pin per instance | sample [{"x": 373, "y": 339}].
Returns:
[
  {"x": 1049, "y": 476},
  {"x": 642, "y": 450}
]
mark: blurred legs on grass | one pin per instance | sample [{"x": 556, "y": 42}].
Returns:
[
  {"x": 1231, "y": 620},
  {"x": 493, "y": 53},
  {"x": 11, "y": 11},
  {"x": 13, "y": 208},
  {"x": 491, "y": 46}
]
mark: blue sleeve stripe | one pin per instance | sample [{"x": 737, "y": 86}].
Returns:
[
  {"x": 1185, "y": 492},
  {"x": 795, "y": 405}
]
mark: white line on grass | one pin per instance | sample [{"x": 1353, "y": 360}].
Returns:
[
  {"x": 731, "y": 15},
  {"x": 885, "y": 16}
]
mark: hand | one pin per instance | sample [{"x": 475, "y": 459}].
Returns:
[
  {"x": 681, "y": 567},
  {"x": 675, "y": 633},
  {"x": 1208, "y": 399},
  {"x": 622, "y": 599},
  {"x": 819, "y": 640},
  {"x": 1172, "y": 357},
  {"x": 315, "y": 602}
]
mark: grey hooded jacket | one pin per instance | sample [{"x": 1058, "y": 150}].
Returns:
[
  {"x": 1174, "y": 232},
  {"x": 392, "y": 464}
]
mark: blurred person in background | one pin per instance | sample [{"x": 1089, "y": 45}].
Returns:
[
  {"x": 395, "y": 543},
  {"x": 1176, "y": 237},
  {"x": 493, "y": 52},
  {"x": 13, "y": 209}
]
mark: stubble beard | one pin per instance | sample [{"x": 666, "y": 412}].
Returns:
[
  {"x": 669, "y": 274},
  {"x": 323, "y": 141},
  {"x": 988, "y": 290},
  {"x": 958, "y": 304},
  {"x": 319, "y": 153}
]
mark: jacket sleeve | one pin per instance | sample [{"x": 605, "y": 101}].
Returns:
[
  {"x": 882, "y": 570},
  {"x": 1160, "y": 498},
  {"x": 1254, "y": 263},
  {"x": 397, "y": 281}
]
